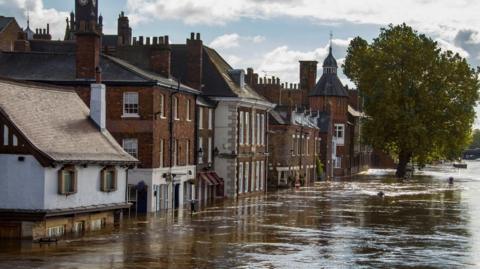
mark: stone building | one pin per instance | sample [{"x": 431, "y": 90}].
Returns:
[
  {"x": 9, "y": 30},
  {"x": 62, "y": 172},
  {"x": 150, "y": 113}
]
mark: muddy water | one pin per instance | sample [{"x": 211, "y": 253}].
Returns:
[{"x": 421, "y": 223}]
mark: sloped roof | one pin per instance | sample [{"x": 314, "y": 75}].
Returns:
[
  {"x": 329, "y": 85},
  {"x": 57, "y": 123},
  {"x": 330, "y": 61},
  {"x": 58, "y": 67},
  {"x": 216, "y": 74},
  {"x": 5, "y": 21}
]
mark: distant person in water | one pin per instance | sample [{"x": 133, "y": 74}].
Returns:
[
  {"x": 381, "y": 194},
  {"x": 450, "y": 180}
]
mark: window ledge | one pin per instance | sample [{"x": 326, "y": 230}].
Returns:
[{"x": 130, "y": 116}]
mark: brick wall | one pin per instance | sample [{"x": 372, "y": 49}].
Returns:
[{"x": 150, "y": 127}]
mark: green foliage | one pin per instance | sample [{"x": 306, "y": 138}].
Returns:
[
  {"x": 419, "y": 99},
  {"x": 319, "y": 167},
  {"x": 475, "y": 140}
]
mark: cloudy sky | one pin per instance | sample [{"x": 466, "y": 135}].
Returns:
[{"x": 273, "y": 35}]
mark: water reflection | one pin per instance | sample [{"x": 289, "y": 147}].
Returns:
[{"x": 422, "y": 223}]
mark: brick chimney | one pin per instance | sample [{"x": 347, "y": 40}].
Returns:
[
  {"x": 87, "y": 50},
  {"x": 194, "y": 62},
  {"x": 160, "y": 57},
  {"x": 308, "y": 78},
  {"x": 124, "y": 31}
]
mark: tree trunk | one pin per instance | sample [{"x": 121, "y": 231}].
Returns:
[{"x": 404, "y": 159}]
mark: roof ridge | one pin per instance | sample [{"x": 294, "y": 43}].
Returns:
[{"x": 37, "y": 85}]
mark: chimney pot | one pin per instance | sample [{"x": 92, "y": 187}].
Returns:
[
  {"x": 165, "y": 39},
  {"x": 155, "y": 40},
  {"x": 141, "y": 40},
  {"x": 192, "y": 36},
  {"x": 198, "y": 36},
  {"x": 148, "y": 40}
]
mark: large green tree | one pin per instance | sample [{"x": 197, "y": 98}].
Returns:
[
  {"x": 475, "y": 140},
  {"x": 419, "y": 99}
]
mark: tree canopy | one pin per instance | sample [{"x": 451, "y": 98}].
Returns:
[
  {"x": 475, "y": 140},
  {"x": 419, "y": 99}
]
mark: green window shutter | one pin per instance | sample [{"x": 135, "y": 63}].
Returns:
[{"x": 61, "y": 186}]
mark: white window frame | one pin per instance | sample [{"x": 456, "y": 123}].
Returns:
[
  {"x": 162, "y": 106},
  {"x": 339, "y": 129},
  {"x": 5, "y": 135},
  {"x": 247, "y": 128},
  {"x": 258, "y": 177},
  {"x": 131, "y": 99},
  {"x": 240, "y": 177},
  {"x": 188, "y": 112},
  {"x": 200, "y": 118},
  {"x": 263, "y": 129},
  {"x": 262, "y": 175},
  {"x": 175, "y": 108},
  {"x": 130, "y": 145},
  {"x": 307, "y": 148},
  {"x": 254, "y": 133},
  {"x": 210, "y": 119},
  {"x": 294, "y": 147},
  {"x": 242, "y": 128},
  {"x": 210, "y": 149},
  {"x": 200, "y": 146},
  {"x": 338, "y": 162},
  {"x": 247, "y": 176}
]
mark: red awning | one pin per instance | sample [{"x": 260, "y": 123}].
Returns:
[
  {"x": 206, "y": 179},
  {"x": 212, "y": 178},
  {"x": 217, "y": 178}
]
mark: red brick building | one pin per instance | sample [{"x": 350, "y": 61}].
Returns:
[
  {"x": 148, "y": 112},
  {"x": 294, "y": 145}
]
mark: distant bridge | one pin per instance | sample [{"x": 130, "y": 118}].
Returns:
[{"x": 471, "y": 154}]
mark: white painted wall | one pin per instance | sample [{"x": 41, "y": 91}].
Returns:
[
  {"x": 154, "y": 176},
  {"x": 88, "y": 189},
  {"x": 21, "y": 183}
]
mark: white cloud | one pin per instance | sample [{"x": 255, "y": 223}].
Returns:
[
  {"x": 226, "y": 41},
  {"x": 258, "y": 39},
  {"x": 445, "y": 17},
  {"x": 283, "y": 62},
  {"x": 445, "y": 45},
  {"x": 39, "y": 15}
]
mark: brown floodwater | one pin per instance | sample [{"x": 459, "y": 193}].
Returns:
[{"x": 420, "y": 223}]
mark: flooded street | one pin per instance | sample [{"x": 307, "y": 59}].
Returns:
[{"x": 421, "y": 223}]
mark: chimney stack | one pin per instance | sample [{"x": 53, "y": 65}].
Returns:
[
  {"x": 160, "y": 58},
  {"x": 87, "y": 50},
  {"x": 98, "y": 105},
  {"x": 308, "y": 78},
  {"x": 194, "y": 62}
]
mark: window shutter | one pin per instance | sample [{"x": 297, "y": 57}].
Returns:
[
  {"x": 61, "y": 187},
  {"x": 75, "y": 181},
  {"x": 103, "y": 179},
  {"x": 114, "y": 179}
]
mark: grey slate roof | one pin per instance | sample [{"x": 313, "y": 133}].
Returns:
[
  {"x": 52, "y": 46},
  {"x": 57, "y": 123},
  {"x": 216, "y": 74},
  {"x": 329, "y": 85},
  {"x": 109, "y": 40},
  {"x": 330, "y": 61},
  {"x": 57, "y": 67},
  {"x": 5, "y": 21}
]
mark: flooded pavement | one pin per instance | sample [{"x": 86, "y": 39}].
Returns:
[{"x": 420, "y": 223}]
